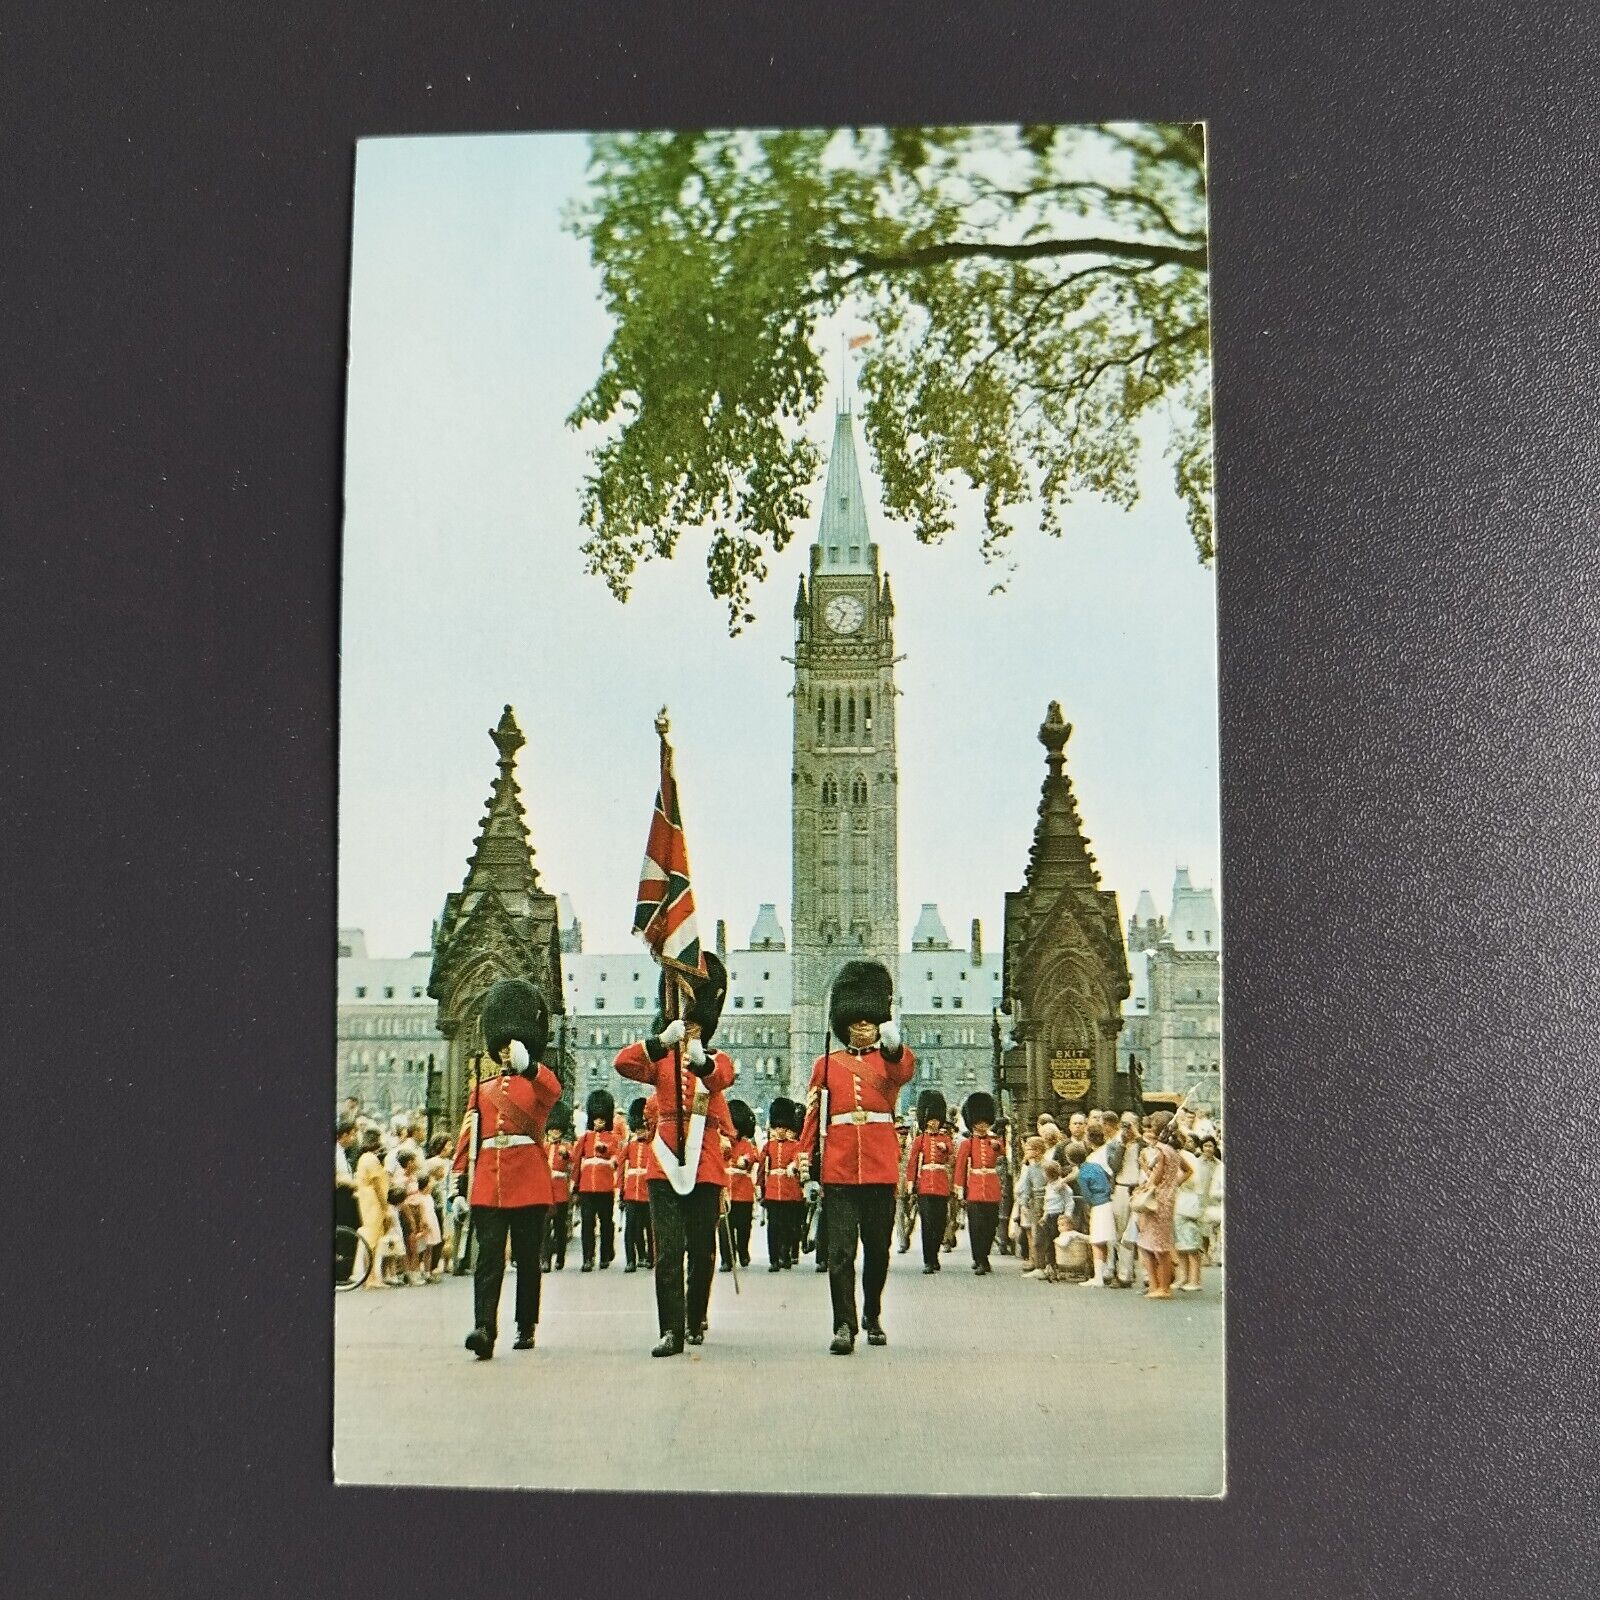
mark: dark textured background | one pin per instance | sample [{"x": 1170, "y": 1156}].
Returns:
[{"x": 1405, "y": 237}]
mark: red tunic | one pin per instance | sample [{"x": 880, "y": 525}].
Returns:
[
  {"x": 511, "y": 1108},
  {"x": 636, "y": 1168},
  {"x": 743, "y": 1160},
  {"x": 780, "y": 1171},
  {"x": 598, "y": 1157},
  {"x": 859, "y": 1145},
  {"x": 634, "y": 1062},
  {"x": 560, "y": 1155},
  {"x": 928, "y": 1170},
  {"x": 978, "y": 1167}
]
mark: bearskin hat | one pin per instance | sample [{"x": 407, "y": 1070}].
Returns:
[
  {"x": 781, "y": 1114},
  {"x": 636, "y": 1114},
  {"x": 600, "y": 1108},
  {"x": 706, "y": 1006},
  {"x": 744, "y": 1119},
  {"x": 559, "y": 1118},
  {"x": 930, "y": 1104},
  {"x": 516, "y": 1009},
  {"x": 978, "y": 1108},
  {"x": 862, "y": 991}
]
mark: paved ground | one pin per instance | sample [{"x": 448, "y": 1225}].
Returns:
[{"x": 994, "y": 1385}]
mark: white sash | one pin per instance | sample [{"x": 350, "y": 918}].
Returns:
[{"x": 682, "y": 1177}]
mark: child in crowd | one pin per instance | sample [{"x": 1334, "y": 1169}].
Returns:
[
  {"x": 1030, "y": 1199},
  {"x": 1057, "y": 1196}
]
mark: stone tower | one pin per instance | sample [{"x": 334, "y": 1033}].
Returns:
[
  {"x": 499, "y": 924},
  {"x": 846, "y": 813}
]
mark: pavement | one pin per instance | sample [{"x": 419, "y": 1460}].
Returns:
[{"x": 988, "y": 1386}]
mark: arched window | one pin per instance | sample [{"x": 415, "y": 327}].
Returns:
[
  {"x": 850, "y": 718},
  {"x": 858, "y": 790},
  {"x": 866, "y": 714},
  {"x": 822, "y": 718},
  {"x": 836, "y": 710},
  {"x": 830, "y": 792}
]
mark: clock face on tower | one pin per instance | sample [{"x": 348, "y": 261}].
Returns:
[{"x": 844, "y": 613}]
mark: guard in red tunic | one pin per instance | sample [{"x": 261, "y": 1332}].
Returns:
[
  {"x": 978, "y": 1161},
  {"x": 636, "y": 1190},
  {"x": 743, "y": 1158},
  {"x": 597, "y": 1160},
  {"x": 781, "y": 1193},
  {"x": 849, "y": 1139},
  {"x": 687, "y": 1172},
  {"x": 502, "y": 1144},
  {"x": 929, "y": 1161},
  {"x": 558, "y": 1151}
]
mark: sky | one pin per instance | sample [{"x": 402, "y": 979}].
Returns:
[{"x": 475, "y": 326}]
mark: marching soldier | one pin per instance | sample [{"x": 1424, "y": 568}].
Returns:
[
  {"x": 977, "y": 1177},
  {"x": 780, "y": 1184},
  {"x": 742, "y": 1158},
  {"x": 687, "y": 1171},
  {"x": 501, "y": 1153},
  {"x": 636, "y": 1190},
  {"x": 558, "y": 1151},
  {"x": 848, "y": 1141},
  {"x": 595, "y": 1159},
  {"x": 928, "y": 1174}
]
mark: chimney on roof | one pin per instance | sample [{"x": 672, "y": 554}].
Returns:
[
  {"x": 722, "y": 938},
  {"x": 977, "y": 943}
]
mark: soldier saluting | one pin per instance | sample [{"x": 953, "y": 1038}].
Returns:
[
  {"x": 501, "y": 1149},
  {"x": 849, "y": 1142}
]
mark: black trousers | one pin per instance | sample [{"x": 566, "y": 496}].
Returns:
[
  {"x": 739, "y": 1214},
  {"x": 685, "y": 1227},
  {"x": 932, "y": 1209},
  {"x": 983, "y": 1219},
  {"x": 636, "y": 1233},
  {"x": 861, "y": 1212},
  {"x": 555, "y": 1235},
  {"x": 490, "y": 1226},
  {"x": 598, "y": 1209},
  {"x": 786, "y": 1226}
]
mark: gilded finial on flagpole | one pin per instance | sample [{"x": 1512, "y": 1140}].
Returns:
[{"x": 661, "y": 722}]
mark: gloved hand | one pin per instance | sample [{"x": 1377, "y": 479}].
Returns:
[
  {"x": 519, "y": 1056},
  {"x": 673, "y": 1033},
  {"x": 889, "y": 1035},
  {"x": 459, "y": 1208},
  {"x": 813, "y": 1191},
  {"x": 697, "y": 1057}
]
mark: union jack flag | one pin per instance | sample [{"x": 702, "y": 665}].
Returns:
[{"x": 663, "y": 914}]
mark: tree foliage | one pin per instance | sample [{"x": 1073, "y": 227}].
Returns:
[{"x": 1036, "y": 296}]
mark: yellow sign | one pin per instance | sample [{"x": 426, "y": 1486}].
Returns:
[{"x": 1071, "y": 1072}]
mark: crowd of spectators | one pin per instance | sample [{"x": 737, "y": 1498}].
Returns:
[{"x": 392, "y": 1185}]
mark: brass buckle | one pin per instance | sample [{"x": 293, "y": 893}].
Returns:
[{"x": 859, "y": 1115}]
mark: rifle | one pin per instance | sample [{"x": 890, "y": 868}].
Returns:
[{"x": 474, "y": 1121}]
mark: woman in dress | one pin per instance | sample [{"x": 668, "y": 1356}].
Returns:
[
  {"x": 372, "y": 1195},
  {"x": 1167, "y": 1168}
]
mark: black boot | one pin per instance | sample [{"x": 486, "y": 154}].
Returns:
[
  {"x": 481, "y": 1343},
  {"x": 875, "y": 1333},
  {"x": 630, "y": 1267},
  {"x": 776, "y": 1266},
  {"x": 928, "y": 1267},
  {"x": 588, "y": 1266},
  {"x": 671, "y": 1344},
  {"x": 844, "y": 1341},
  {"x": 524, "y": 1339},
  {"x": 698, "y": 1335}
]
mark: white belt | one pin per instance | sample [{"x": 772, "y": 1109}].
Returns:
[
  {"x": 933, "y": 1166},
  {"x": 982, "y": 1172},
  {"x": 858, "y": 1117},
  {"x": 598, "y": 1161},
  {"x": 504, "y": 1141}
]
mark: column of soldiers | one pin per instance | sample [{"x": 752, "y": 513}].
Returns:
[{"x": 832, "y": 1175}]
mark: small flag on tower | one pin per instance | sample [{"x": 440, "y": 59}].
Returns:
[{"x": 663, "y": 914}]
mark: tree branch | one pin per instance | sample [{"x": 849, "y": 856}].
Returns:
[{"x": 869, "y": 263}]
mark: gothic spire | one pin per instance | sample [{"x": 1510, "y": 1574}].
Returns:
[
  {"x": 1060, "y": 857},
  {"x": 843, "y": 538},
  {"x": 502, "y": 856}
]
